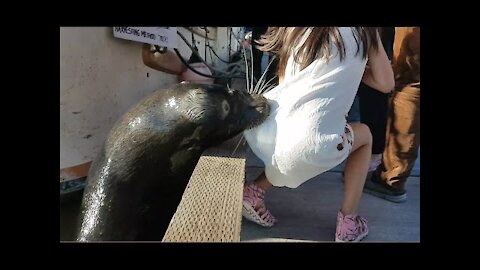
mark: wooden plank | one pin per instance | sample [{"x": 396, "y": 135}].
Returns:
[{"x": 211, "y": 206}]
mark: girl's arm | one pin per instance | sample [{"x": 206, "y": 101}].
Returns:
[{"x": 378, "y": 72}]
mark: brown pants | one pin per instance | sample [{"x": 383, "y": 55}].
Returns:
[{"x": 402, "y": 138}]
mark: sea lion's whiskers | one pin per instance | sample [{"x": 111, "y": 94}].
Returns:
[
  {"x": 263, "y": 77},
  {"x": 268, "y": 85},
  {"x": 238, "y": 144},
  {"x": 246, "y": 69},
  {"x": 251, "y": 61}
]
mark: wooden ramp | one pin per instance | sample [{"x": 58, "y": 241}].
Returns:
[{"x": 211, "y": 206}]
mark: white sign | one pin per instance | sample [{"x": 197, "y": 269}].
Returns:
[{"x": 162, "y": 36}]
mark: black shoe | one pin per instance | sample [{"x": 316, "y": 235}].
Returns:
[{"x": 384, "y": 191}]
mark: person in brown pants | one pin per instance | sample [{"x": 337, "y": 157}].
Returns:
[{"x": 403, "y": 124}]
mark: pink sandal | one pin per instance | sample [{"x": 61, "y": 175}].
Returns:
[
  {"x": 350, "y": 228},
  {"x": 254, "y": 206}
]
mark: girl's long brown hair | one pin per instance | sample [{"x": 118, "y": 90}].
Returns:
[{"x": 281, "y": 41}]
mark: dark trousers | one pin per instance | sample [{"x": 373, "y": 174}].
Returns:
[
  {"x": 402, "y": 137},
  {"x": 373, "y": 113},
  {"x": 373, "y": 103}
]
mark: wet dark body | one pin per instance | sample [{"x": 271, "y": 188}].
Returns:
[{"x": 137, "y": 181}]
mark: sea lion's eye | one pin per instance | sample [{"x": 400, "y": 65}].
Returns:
[{"x": 225, "y": 108}]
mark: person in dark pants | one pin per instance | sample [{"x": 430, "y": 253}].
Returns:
[
  {"x": 403, "y": 125},
  {"x": 374, "y": 105}
]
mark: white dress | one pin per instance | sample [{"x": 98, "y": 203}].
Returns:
[{"x": 301, "y": 137}]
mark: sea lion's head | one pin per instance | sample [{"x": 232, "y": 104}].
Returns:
[{"x": 222, "y": 113}]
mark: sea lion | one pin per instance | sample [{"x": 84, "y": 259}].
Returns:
[{"x": 136, "y": 183}]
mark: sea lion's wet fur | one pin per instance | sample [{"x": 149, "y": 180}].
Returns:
[{"x": 136, "y": 183}]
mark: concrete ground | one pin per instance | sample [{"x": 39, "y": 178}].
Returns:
[{"x": 308, "y": 213}]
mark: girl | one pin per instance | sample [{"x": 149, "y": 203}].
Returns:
[{"x": 319, "y": 69}]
